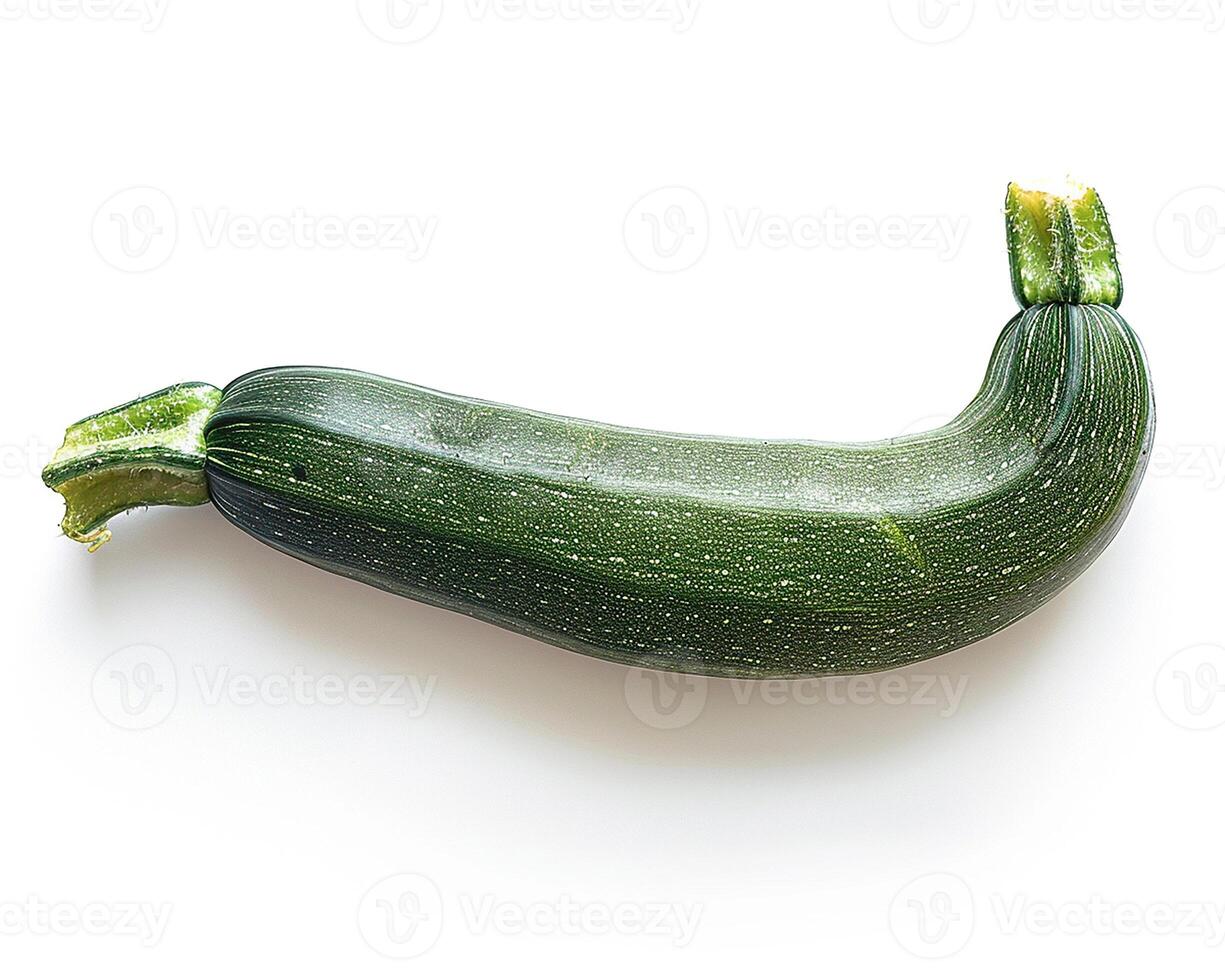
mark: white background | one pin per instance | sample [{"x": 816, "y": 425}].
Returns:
[{"x": 1061, "y": 809}]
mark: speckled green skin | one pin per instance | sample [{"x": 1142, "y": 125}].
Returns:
[
  {"x": 728, "y": 557},
  {"x": 738, "y": 558}
]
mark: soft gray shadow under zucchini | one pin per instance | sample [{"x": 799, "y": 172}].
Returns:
[{"x": 553, "y": 692}]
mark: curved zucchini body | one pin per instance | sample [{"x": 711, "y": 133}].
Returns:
[
  {"x": 729, "y": 557},
  {"x": 732, "y": 557}
]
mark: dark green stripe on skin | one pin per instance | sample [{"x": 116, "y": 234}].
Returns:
[{"x": 729, "y": 557}]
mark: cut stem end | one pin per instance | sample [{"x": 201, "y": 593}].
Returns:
[
  {"x": 1060, "y": 247},
  {"x": 149, "y": 451}
]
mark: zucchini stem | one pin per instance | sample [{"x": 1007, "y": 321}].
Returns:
[
  {"x": 145, "y": 452},
  {"x": 1060, "y": 248}
]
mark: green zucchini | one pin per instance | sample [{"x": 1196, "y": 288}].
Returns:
[{"x": 728, "y": 557}]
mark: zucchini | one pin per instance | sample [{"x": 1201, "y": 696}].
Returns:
[{"x": 727, "y": 557}]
